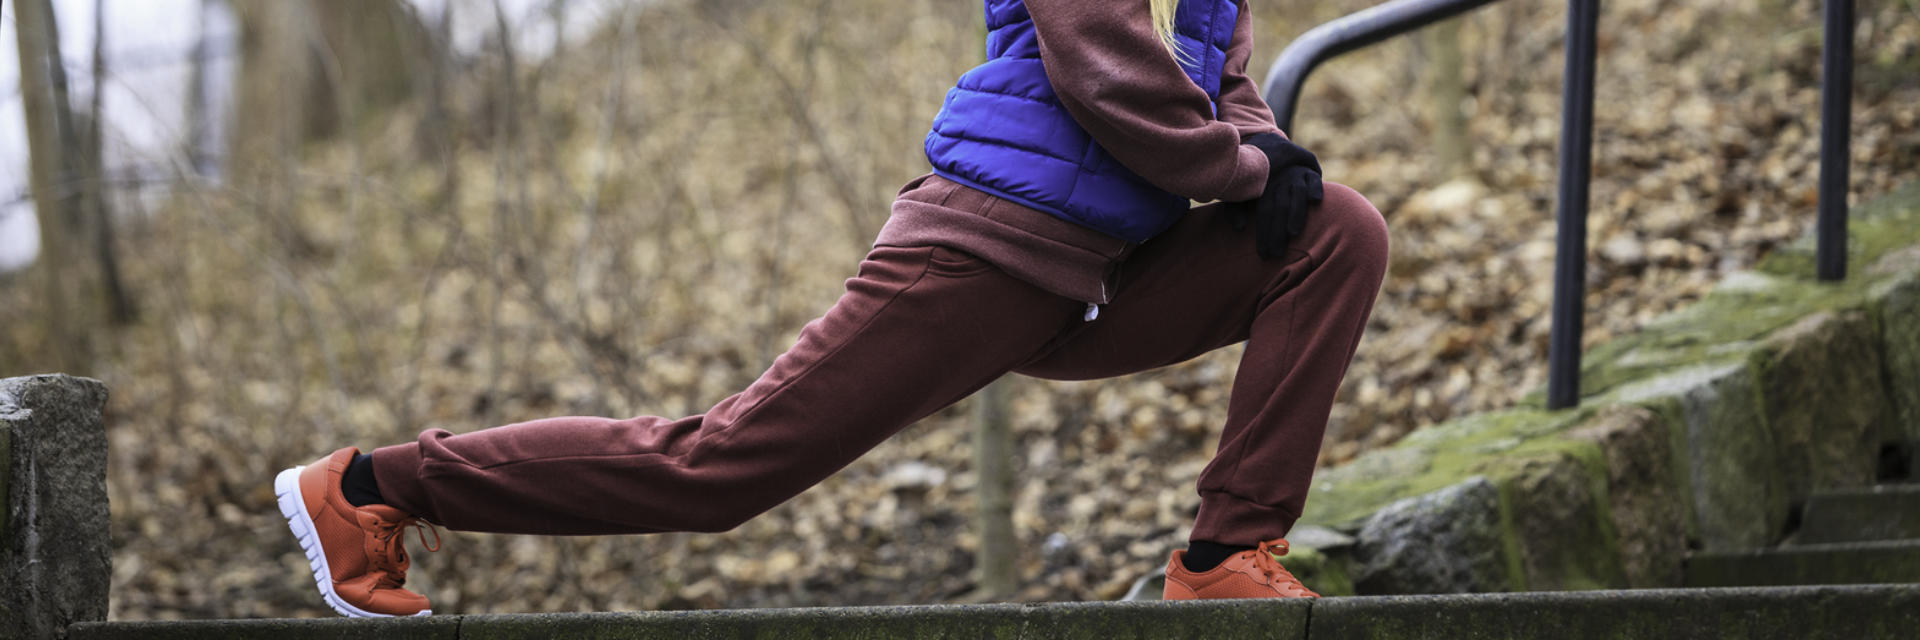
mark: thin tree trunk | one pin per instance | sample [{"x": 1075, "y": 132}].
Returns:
[
  {"x": 557, "y": 12},
  {"x": 506, "y": 147},
  {"x": 439, "y": 121},
  {"x": 1451, "y": 155},
  {"x": 281, "y": 98},
  {"x": 198, "y": 120},
  {"x": 49, "y": 135},
  {"x": 993, "y": 461},
  {"x": 120, "y": 308}
]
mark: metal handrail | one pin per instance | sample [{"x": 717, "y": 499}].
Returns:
[
  {"x": 1380, "y": 22},
  {"x": 1346, "y": 34}
]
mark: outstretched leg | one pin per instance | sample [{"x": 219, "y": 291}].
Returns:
[{"x": 918, "y": 329}]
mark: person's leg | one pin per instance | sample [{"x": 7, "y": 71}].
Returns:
[
  {"x": 916, "y": 331},
  {"x": 1200, "y": 286}
]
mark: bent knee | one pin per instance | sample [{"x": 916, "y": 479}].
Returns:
[{"x": 1359, "y": 231}]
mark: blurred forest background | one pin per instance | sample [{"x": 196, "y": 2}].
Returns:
[{"x": 385, "y": 231}]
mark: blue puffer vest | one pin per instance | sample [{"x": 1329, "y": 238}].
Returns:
[{"x": 1003, "y": 131}]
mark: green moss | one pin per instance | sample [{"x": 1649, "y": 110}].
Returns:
[
  {"x": 1725, "y": 327},
  {"x": 1873, "y": 230},
  {"x": 1510, "y": 539},
  {"x": 1579, "y": 555},
  {"x": 1611, "y": 572},
  {"x": 1485, "y": 444},
  {"x": 1326, "y": 574}
]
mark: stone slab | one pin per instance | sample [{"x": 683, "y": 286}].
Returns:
[
  {"x": 1820, "y": 384},
  {"x": 1845, "y": 563},
  {"x": 1559, "y": 524},
  {"x": 1853, "y": 612},
  {"x": 1737, "y": 499},
  {"x": 1898, "y": 304},
  {"x": 1864, "y": 613},
  {"x": 1643, "y": 494},
  {"x": 1448, "y": 541},
  {"x": 1226, "y": 620},
  {"x": 55, "y": 545},
  {"x": 1887, "y": 512},
  {"x": 424, "y": 628},
  {"x": 1216, "y": 619}
]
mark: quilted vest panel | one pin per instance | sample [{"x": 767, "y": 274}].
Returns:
[{"x": 1002, "y": 130}]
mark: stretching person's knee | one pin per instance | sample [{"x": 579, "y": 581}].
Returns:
[{"x": 1359, "y": 231}]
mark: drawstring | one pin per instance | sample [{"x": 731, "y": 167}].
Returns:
[{"x": 1093, "y": 311}]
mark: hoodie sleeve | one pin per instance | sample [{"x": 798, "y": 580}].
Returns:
[
  {"x": 1118, "y": 81},
  {"x": 1240, "y": 100}
]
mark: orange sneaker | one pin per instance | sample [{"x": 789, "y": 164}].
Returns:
[
  {"x": 358, "y": 559},
  {"x": 1254, "y": 573}
]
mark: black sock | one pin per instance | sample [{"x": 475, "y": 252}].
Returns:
[
  {"x": 358, "y": 484},
  {"x": 1203, "y": 556}
]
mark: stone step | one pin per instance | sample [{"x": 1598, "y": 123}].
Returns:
[
  {"x": 1845, "y": 563},
  {"x": 1853, "y": 612},
  {"x": 1883, "y": 512}
]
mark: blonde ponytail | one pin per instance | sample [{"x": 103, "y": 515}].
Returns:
[{"x": 1163, "y": 11}]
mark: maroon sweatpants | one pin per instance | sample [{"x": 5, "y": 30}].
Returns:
[{"x": 919, "y": 329}]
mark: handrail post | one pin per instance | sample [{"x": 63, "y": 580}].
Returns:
[
  {"x": 1576, "y": 158},
  {"x": 1836, "y": 120}
]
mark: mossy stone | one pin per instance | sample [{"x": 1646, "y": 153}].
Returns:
[
  {"x": 1724, "y": 327},
  {"x": 1739, "y": 501},
  {"x": 1645, "y": 504},
  {"x": 1448, "y": 541},
  {"x": 1699, "y": 456},
  {"x": 1897, "y": 305},
  {"x": 1820, "y": 389},
  {"x": 1874, "y": 229},
  {"x": 1558, "y": 511},
  {"x": 1326, "y": 573},
  {"x": 1431, "y": 459}
]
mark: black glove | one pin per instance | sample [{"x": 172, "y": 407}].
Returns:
[{"x": 1293, "y": 186}]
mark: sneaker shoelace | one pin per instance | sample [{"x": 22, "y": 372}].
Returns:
[
  {"x": 390, "y": 551},
  {"x": 1266, "y": 559}
]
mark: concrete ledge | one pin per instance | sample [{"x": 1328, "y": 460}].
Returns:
[
  {"x": 1225, "y": 620},
  {"x": 1863, "y": 612},
  {"x": 427, "y": 628},
  {"x": 1758, "y": 613}
]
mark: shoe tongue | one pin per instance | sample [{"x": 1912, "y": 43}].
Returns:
[{"x": 372, "y": 520}]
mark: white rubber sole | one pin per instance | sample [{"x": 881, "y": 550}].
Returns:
[{"x": 287, "y": 487}]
